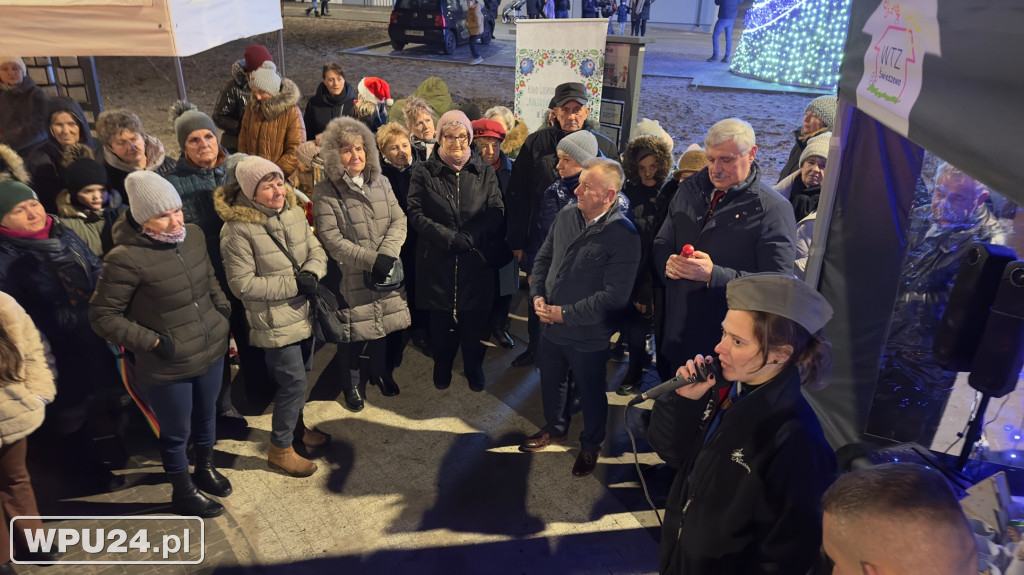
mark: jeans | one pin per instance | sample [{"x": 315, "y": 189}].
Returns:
[
  {"x": 446, "y": 335},
  {"x": 287, "y": 365},
  {"x": 185, "y": 409},
  {"x": 561, "y": 13},
  {"x": 588, "y": 368},
  {"x": 472, "y": 45},
  {"x": 622, "y": 28},
  {"x": 722, "y": 25}
]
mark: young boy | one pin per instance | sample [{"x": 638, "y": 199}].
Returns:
[{"x": 623, "y": 17}]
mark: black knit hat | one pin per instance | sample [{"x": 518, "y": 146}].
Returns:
[{"x": 84, "y": 172}]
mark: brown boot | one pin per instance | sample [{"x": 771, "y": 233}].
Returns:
[
  {"x": 290, "y": 462},
  {"x": 313, "y": 438}
]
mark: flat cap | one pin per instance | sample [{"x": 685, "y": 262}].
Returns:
[{"x": 782, "y": 295}]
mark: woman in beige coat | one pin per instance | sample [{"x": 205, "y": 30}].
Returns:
[
  {"x": 262, "y": 219},
  {"x": 363, "y": 228},
  {"x": 26, "y": 387}
]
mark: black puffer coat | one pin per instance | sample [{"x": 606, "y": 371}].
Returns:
[
  {"x": 23, "y": 116},
  {"x": 442, "y": 203},
  {"x": 231, "y": 104},
  {"x": 53, "y": 279},
  {"x": 149, "y": 290},
  {"x": 323, "y": 107}
]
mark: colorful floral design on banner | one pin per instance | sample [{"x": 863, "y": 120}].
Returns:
[{"x": 585, "y": 62}]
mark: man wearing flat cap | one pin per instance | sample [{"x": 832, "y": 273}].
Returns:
[
  {"x": 534, "y": 170},
  {"x": 736, "y": 224}
]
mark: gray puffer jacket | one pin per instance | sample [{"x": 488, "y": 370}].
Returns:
[
  {"x": 379, "y": 227},
  {"x": 259, "y": 273}
]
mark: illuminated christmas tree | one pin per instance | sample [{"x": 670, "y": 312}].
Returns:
[{"x": 798, "y": 42}]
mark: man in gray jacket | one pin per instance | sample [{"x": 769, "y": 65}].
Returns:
[{"x": 582, "y": 278}]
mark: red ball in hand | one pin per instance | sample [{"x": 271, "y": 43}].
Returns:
[{"x": 687, "y": 251}]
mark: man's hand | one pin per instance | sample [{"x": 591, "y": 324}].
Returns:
[
  {"x": 519, "y": 255},
  {"x": 697, "y": 268},
  {"x": 642, "y": 308},
  {"x": 551, "y": 314}
]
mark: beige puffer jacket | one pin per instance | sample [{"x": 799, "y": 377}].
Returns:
[
  {"x": 259, "y": 273},
  {"x": 21, "y": 410},
  {"x": 378, "y": 221}
]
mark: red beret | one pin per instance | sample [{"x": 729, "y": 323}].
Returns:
[{"x": 484, "y": 128}]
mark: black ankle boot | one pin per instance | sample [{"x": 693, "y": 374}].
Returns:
[
  {"x": 353, "y": 395},
  {"x": 206, "y": 477},
  {"x": 187, "y": 500},
  {"x": 387, "y": 385}
]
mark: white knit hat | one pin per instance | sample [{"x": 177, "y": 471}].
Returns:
[
  {"x": 265, "y": 78},
  {"x": 816, "y": 146},
  {"x": 149, "y": 194},
  {"x": 17, "y": 61}
]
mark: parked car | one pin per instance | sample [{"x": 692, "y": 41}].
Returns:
[{"x": 437, "y": 22}]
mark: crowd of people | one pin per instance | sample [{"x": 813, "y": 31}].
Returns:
[{"x": 419, "y": 217}]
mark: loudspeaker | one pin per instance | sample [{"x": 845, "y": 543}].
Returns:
[
  {"x": 956, "y": 340},
  {"x": 1000, "y": 354}
]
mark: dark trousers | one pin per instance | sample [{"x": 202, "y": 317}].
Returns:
[
  {"x": 472, "y": 44},
  {"x": 259, "y": 387},
  {"x": 532, "y": 327},
  {"x": 635, "y": 329},
  {"x": 588, "y": 368},
  {"x": 446, "y": 336},
  {"x": 16, "y": 497},
  {"x": 370, "y": 355},
  {"x": 287, "y": 365},
  {"x": 185, "y": 409},
  {"x": 723, "y": 26}
]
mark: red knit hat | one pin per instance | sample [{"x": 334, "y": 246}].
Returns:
[
  {"x": 484, "y": 128},
  {"x": 255, "y": 56},
  {"x": 375, "y": 91}
]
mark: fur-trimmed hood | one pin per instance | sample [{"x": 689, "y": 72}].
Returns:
[
  {"x": 641, "y": 147},
  {"x": 69, "y": 211},
  {"x": 279, "y": 103},
  {"x": 232, "y": 205},
  {"x": 238, "y": 74},
  {"x": 331, "y": 143},
  {"x": 515, "y": 137},
  {"x": 154, "y": 156},
  {"x": 12, "y": 167}
]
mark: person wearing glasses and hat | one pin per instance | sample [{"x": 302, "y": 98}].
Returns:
[{"x": 753, "y": 460}]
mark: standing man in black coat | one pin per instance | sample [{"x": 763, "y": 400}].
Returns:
[
  {"x": 534, "y": 170},
  {"x": 582, "y": 279}
]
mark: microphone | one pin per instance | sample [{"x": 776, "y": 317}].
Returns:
[{"x": 677, "y": 382}]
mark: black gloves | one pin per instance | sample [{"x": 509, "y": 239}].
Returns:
[
  {"x": 460, "y": 243},
  {"x": 306, "y": 282},
  {"x": 165, "y": 347},
  {"x": 382, "y": 267}
]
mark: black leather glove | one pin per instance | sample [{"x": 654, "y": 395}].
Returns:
[
  {"x": 306, "y": 282},
  {"x": 165, "y": 347},
  {"x": 460, "y": 244},
  {"x": 382, "y": 267}
]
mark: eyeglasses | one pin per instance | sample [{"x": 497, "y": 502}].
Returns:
[{"x": 461, "y": 139}]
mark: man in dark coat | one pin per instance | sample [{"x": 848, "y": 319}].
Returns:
[
  {"x": 582, "y": 280},
  {"x": 736, "y": 225},
  {"x": 534, "y": 170}
]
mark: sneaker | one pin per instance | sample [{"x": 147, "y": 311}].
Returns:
[
  {"x": 477, "y": 61},
  {"x": 712, "y": 59},
  {"x": 726, "y": 59}
]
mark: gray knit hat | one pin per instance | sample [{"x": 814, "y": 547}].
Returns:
[
  {"x": 149, "y": 194},
  {"x": 581, "y": 146},
  {"x": 824, "y": 107},
  {"x": 816, "y": 146},
  {"x": 266, "y": 78},
  {"x": 251, "y": 170},
  {"x": 187, "y": 119}
]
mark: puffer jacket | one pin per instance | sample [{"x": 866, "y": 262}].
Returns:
[
  {"x": 95, "y": 227},
  {"x": 23, "y": 119},
  {"x": 231, "y": 105},
  {"x": 21, "y": 410},
  {"x": 150, "y": 290},
  {"x": 323, "y": 107},
  {"x": 273, "y": 129},
  {"x": 47, "y": 161},
  {"x": 442, "y": 203},
  {"x": 259, "y": 273},
  {"x": 380, "y": 227},
  {"x": 475, "y": 17},
  {"x": 118, "y": 169},
  {"x": 195, "y": 185}
]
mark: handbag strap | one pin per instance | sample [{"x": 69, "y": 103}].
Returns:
[
  {"x": 348, "y": 219},
  {"x": 283, "y": 250}
]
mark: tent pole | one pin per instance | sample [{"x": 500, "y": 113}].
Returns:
[
  {"x": 181, "y": 79},
  {"x": 280, "y": 50}
]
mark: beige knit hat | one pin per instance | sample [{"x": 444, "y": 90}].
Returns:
[
  {"x": 149, "y": 194},
  {"x": 251, "y": 170}
]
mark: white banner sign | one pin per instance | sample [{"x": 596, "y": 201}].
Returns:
[
  {"x": 902, "y": 32},
  {"x": 553, "y": 52}
]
